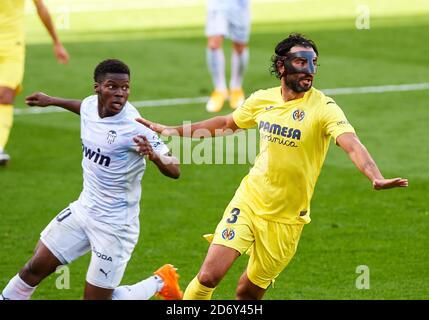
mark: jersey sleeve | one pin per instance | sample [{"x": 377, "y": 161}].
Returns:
[
  {"x": 244, "y": 116},
  {"x": 334, "y": 121},
  {"x": 157, "y": 144},
  {"x": 85, "y": 107}
]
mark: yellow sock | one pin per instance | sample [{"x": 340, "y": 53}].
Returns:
[
  {"x": 6, "y": 120},
  {"x": 196, "y": 291}
]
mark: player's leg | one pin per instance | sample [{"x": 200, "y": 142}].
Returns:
[
  {"x": 164, "y": 283},
  {"x": 41, "y": 265},
  {"x": 233, "y": 237},
  {"x": 274, "y": 247},
  {"x": 11, "y": 75},
  {"x": 7, "y": 96},
  {"x": 216, "y": 61},
  {"x": 247, "y": 290},
  {"x": 97, "y": 293},
  {"x": 61, "y": 242},
  {"x": 239, "y": 25},
  {"x": 239, "y": 62},
  {"x": 216, "y": 264},
  {"x": 111, "y": 249},
  {"x": 112, "y": 246},
  {"x": 216, "y": 29}
]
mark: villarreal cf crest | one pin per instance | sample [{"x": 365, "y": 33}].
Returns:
[
  {"x": 228, "y": 234},
  {"x": 298, "y": 115}
]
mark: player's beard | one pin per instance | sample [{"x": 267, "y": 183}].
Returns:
[{"x": 294, "y": 84}]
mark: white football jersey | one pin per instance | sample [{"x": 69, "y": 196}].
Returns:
[
  {"x": 112, "y": 169},
  {"x": 228, "y": 5}
]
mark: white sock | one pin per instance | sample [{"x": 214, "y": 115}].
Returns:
[
  {"x": 142, "y": 290},
  {"x": 239, "y": 64},
  {"x": 216, "y": 64},
  {"x": 17, "y": 289}
]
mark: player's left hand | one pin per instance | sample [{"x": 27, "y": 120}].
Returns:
[
  {"x": 379, "y": 184},
  {"x": 144, "y": 148},
  {"x": 38, "y": 99},
  {"x": 61, "y": 53}
]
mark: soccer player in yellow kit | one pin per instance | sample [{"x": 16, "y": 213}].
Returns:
[
  {"x": 12, "y": 59},
  {"x": 269, "y": 209}
]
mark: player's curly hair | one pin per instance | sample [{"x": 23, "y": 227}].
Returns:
[
  {"x": 284, "y": 46},
  {"x": 109, "y": 66}
]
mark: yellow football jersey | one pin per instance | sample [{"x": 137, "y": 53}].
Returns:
[
  {"x": 11, "y": 22},
  {"x": 294, "y": 140}
]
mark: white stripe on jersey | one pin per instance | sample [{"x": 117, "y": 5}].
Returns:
[{"x": 112, "y": 169}]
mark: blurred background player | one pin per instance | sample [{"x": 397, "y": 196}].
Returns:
[
  {"x": 105, "y": 218},
  {"x": 231, "y": 19},
  {"x": 12, "y": 59}
]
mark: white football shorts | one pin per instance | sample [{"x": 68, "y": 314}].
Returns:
[
  {"x": 230, "y": 23},
  {"x": 71, "y": 234}
]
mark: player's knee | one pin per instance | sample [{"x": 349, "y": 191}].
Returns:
[
  {"x": 246, "y": 290},
  {"x": 209, "y": 279},
  {"x": 239, "y": 47},
  {"x": 215, "y": 42}
]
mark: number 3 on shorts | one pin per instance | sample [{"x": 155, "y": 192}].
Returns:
[{"x": 234, "y": 215}]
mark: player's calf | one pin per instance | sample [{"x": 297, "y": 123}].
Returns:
[
  {"x": 41, "y": 265},
  {"x": 246, "y": 290}
]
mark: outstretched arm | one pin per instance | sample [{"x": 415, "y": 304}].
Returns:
[
  {"x": 40, "y": 99},
  {"x": 360, "y": 156},
  {"x": 167, "y": 164},
  {"x": 59, "y": 51},
  {"x": 217, "y": 126}
]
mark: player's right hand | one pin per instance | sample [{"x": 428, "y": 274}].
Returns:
[
  {"x": 379, "y": 184},
  {"x": 61, "y": 53},
  {"x": 38, "y": 99},
  {"x": 144, "y": 148}
]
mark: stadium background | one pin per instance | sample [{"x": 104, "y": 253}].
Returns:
[{"x": 164, "y": 44}]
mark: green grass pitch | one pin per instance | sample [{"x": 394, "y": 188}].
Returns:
[{"x": 351, "y": 224}]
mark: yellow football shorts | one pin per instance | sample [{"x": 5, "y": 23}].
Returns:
[
  {"x": 271, "y": 245},
  {"x": 12, "y": 61}
]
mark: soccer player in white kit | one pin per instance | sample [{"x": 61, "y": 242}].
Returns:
[
  {"x": 105, "y": 218},
  {"x": 231, "y": 19}
]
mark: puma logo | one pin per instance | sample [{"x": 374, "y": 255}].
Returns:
[{"x": 104, "y": 272}]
